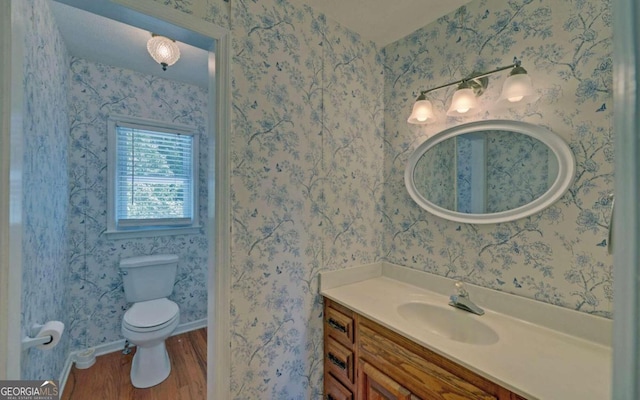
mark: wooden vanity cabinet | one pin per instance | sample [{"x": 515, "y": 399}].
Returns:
[{"x": 367, "y": 361}]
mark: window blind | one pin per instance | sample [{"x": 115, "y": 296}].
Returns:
[{"x": 154, "y": 179}]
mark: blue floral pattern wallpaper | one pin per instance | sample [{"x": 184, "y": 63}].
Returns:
[
  {"x": 96, "y": 301},
  {"x": 306, "y": 185},
  {"x": 434, "y": 174},
  {"x": 518, "y": 170},
  {"x": 45, "y": 183},
  {"x": 465, "y": 152},
  {"x": 558, "y": 256}
]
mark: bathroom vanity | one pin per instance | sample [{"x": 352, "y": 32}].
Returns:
[
  {"x": 363, "y": 357},
  {"x": 390, "y": 334}
]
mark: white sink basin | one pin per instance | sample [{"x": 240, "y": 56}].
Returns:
[{"x": 449, "y": 322}]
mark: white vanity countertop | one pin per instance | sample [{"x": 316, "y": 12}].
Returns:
[{"x": 543, "y": 351}]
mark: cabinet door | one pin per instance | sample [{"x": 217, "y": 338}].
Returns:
[
  {"x": 407, "y": 363},
  {"x": 374, "y": 385}
]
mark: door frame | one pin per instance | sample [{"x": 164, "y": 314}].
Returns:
[
  {"x": 626, "y": 233},
  {"x": 219, "y": 183},
  {"x": 12, "y": 28}
]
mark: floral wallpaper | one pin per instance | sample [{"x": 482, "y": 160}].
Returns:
[
  {"x": 306, "y": 185},
  {"x": 45, "y": 183},
  {"x": 517, "y": 170},
  {"x": 466, "y": 157},
  {"x": 435, "y": 175},
  {"x": 559, "y": 255},
  {"x": 96, "y": 302}
]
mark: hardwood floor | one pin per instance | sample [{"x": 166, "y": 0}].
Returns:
[{"x": 108, "y": 378}]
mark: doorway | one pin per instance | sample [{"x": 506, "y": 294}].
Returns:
[{"x": 218, "y": 112}]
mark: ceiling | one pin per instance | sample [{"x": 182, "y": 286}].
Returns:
[
  {"x": 107, "y": 41},
  {"x": 111, "y": 42},
  {"x": 384, "y": 21}
]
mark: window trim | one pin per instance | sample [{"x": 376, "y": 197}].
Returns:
[{"x": 147, "y": 229}]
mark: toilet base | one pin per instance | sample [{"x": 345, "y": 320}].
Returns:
[{"x": 150, "y": 366}]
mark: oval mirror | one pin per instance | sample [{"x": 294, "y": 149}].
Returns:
[{"x": 488, "y": 172}]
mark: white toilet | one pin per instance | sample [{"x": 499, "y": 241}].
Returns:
[{"x": 148, "y": 281}]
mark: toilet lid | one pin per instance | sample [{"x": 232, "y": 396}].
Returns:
[{"x": 146, "y": 314}]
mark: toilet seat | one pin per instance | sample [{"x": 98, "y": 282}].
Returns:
[{"x": 151, "y": 315}]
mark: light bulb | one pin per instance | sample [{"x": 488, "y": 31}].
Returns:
[
  {"x": 163, "y": 50},
  {"x": 463, "y": 102},
  {"x": 516, "y": 87},
  {"x": 422, "y": 113}
]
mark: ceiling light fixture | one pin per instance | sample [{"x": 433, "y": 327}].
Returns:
[
  {"x": 464, "y": 102},
  {"x": 163, "y": 50}
]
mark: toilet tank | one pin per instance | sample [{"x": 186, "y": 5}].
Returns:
[{"x": 148, "y": 277}]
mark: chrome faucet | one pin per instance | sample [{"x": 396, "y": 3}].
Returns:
[{"x": 462, "y": 301}]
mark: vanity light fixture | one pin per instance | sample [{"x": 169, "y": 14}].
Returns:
[
  {"x": 422, "y": 112},
  {"x": 517, "y": 86},
  {"x": 164, "y": 50},
  {"x": 464, "y": 102}
]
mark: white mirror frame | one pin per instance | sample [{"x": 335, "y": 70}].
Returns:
[{"x": 562, "y": 151}]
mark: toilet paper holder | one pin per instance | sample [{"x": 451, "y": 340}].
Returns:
[{"x": 28, "y": 342}]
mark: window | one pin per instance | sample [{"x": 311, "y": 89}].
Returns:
[{"x": 153, "y": 177}]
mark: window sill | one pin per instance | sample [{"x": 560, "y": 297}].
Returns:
[{"x": 142, "y": 233}]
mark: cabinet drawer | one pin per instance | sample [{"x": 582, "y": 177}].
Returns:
[
  {"x": 339, "y": 361},
  {"x": 334, "y": 390},
  {"x": 339, "y": 326},
  {"x": 423, "y": 378}
]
